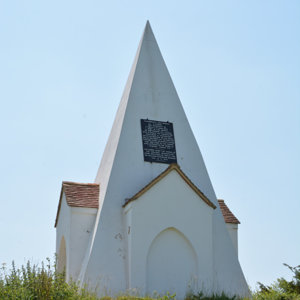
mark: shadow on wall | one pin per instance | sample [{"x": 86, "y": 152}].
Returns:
[{"x": 62, "y": 257}]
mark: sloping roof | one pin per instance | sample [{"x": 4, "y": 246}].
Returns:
[
  {"x": 229, "y": 217},
  {"x": 176, "y": 168},
  {"x": 79, "y": 195}
]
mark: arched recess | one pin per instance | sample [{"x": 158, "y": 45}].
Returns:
[
  {"x": 171, "y": 264},
  {"x": 62, "y": 256}
]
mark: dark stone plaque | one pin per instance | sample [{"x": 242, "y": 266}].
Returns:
[{"x": 158, "y": 141}]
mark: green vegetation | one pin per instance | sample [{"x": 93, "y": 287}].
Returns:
[
  {"x": 41, "y": 283},
  {"x": 200, "y": 296},
  {"x": 281, "y": 289},
  {"x": 44, "y": 283}
]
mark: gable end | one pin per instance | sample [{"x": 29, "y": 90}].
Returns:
[
  {"x": 176, "y": 168},
  {"x": 79, "y": 195}
]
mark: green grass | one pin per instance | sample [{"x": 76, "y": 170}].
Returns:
[
  {"x": 44, "y": 283},
  {"x": 34, "y": 282}
]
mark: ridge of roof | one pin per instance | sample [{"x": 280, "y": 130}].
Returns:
[
  {"x": 78, "y": 183},
  {"x": 171, "y": 167},
  {"x": 84, "y": 195},
  {"x": 229, "y": 217}
]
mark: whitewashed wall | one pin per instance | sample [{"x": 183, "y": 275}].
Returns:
[
  {"x": 233, "y": 233},
  {"x": 82, "y": 224},
  {"x": 149, "y": 93},
  {"x": 169, "y": 231},
  {"x": 75, "y": 224},
  {"x": 63, "y": 229}
]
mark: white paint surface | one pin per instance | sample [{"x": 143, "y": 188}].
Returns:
[
  {"x": 74, "y": 227},
  {"x": 173, "y": 210},
  {"x": 63, "y": 229},
  {"x": 233, "y": 233},
  {"x": 115, "y": 260},
  {"x": 173, "y": 258},
  {"x": 62, "y": 256}
]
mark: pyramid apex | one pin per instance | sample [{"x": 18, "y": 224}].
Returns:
[
  {"x": 151, "y": 130},
  {"x": 148, "y": 33}
]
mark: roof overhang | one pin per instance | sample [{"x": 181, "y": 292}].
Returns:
[
  {"x": 172, "y": 167},
  {"x": 84, "y": 195}
]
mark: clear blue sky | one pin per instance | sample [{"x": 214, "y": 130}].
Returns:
[{"x": 236, "y": 67}]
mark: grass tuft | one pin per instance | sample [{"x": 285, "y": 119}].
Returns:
[{"x": 45, "y": 283}]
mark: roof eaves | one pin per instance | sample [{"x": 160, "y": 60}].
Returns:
[
  {"x": 228, "y": 216},
  {"x": 71, "y": 203},
  {"x": 59, "y": 205},
  {"x": 161, "y": 176}
]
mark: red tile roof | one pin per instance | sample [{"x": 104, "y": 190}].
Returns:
[
  {"x": 229, "y": 217},
  {"x": 79, "y": 195},
  {"x": 161, "y": 176},
  {"x": 87, "y": 195}
]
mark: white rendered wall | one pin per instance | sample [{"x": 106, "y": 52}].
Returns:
[
  {"x": 233, "y": 233},
  {"x": 226, "y": 261},
  {"x": 149, "y": 93},
  {"x": 63, "y": 228},
  {"x": 82, "y": 224},
  {"x": 169, "y": 223},
  {"x": 75, "y": 224},
  {"x": 172, "y": 264},
  {"x": 61, "y": 262}
]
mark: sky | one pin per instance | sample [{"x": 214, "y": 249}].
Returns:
[{"x": 236, "y": 68}]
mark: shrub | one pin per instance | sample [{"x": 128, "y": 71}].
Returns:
[
  {"x": 34, "y": 282},
  {"x": 44, "y": 283},
  {"x": 281, "y": 289},
  {"x": 200, "y": 296}
]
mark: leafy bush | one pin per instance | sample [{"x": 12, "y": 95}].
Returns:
[
  {"x": 42, "y": 283},
  {"x": 200, "y": 296},
  {"x": 281, "y": 289}
]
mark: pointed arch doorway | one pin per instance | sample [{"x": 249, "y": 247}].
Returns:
[
  {"x": 171, "y": 261},
  {"x": 62, "y": 256}
]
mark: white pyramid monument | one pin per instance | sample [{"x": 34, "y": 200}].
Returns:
[{"x": 151, "y": 221}]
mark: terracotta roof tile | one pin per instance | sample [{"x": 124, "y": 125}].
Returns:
[
  {"x": 79, "y": 195},
  {"x": 229, "y": 217}
]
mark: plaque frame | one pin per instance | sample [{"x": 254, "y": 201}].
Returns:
[{"x": 158, "y": 141}]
